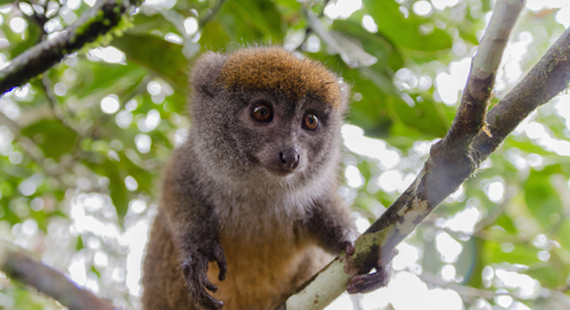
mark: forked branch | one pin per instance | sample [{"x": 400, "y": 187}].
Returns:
[{"x": 455, "y": 158}]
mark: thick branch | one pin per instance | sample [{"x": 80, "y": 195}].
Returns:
[
  {"x": 17, "y": 264},
  {"x": 470, "y": 116},
  {"x": 99, "y": 20},
  {"x": 545, "y": 80},
  {"x": 440, "y": 177}
]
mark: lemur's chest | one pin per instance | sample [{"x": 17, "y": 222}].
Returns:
[
  {"x": 259, "y": 276},
  {"x": 268, "y": 252},
  {"x": 262, "y": 222}
]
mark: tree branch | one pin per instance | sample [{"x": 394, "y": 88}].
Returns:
[
  {"x": 466, "y": 292},
  {"x": 470, "y": 118},
  {"x": 453, "y": 159},
  {"x": 100, "y": 19},
  {"x": 28, "y": 145},
  {"x": 545, "y": 80},
  {"x": 308, "y": 28},
  {"x": 17, "y": 264},
  {"x": 56, "y": 172},
  {"x": 204, "y": 20}
]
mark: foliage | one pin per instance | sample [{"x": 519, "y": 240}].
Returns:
[{"x": 82, "y": 146}]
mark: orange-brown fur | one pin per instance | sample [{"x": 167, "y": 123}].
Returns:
[
  {"x": 251, "y": 284},
  {"x": 257, "y": 284},
  {"x": 275, "y": 68}
]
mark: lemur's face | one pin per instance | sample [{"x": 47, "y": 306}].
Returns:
[{"x": 271, "y": 116}]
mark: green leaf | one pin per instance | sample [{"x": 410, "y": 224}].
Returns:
[
  {"x": 214, "y": 37},
  {"x": 382, "y": 80},
  {"x": 553, "y": 273},
  {"x": 348, "y": 48},
  {"x": 547, "y": 276},
  {"x": 521, "y": 254},
  {"x": 116, "y": 175},
  {"x": 528, "y": 146},
  {"x": 242, "y": 23},
  {"x": 18, "y": 45},
  {"x": 119, "y": 192},
  {"x": 144, "y": 24},
  {"x": 54, "y": 138},
  {"x": 406, "y": 31},
  {"x": 143, "y": 177},
  {"x": 426, "y": 116},
  {"x": 105, "y": 78},
  {"x": 542, "y": 199},
  {"x": 251, "y": 19},
  {"x": 156, "y": 54},
  {"x": 389, "y": 59},
  {"x": 562, "y": 232},
  {"x": 505, "y": 221},
  {"x": 94, "y": 270},
  {"x": 79, "y": 244},
  {"x": 470, "y": 262},
  {"x": 370, "y": 112}
]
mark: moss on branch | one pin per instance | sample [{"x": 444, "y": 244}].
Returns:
[{"x": 99, "y": 20}]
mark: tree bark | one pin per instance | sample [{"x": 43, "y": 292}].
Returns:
[
  {"x": 473, "y": 136},
  {"x": 99, "y": 20},
  {"x": 470, "y": 140},
  {"x": 18, "y": 264}
]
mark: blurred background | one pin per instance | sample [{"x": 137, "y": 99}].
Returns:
[{"x": 82, "y": 146}]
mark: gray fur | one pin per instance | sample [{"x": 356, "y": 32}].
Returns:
[{"x": 218, "y": 190}]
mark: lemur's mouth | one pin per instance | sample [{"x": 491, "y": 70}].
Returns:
[{"x": 279, "y": 171}]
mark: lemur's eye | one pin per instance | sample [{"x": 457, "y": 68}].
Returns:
[
  {"x": 261, "y": 111},
  {"x": 310, "y": 122}
]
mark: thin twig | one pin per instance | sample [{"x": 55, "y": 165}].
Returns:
[
  {"x": 28, "y": 145},
  {"x": 492, "y": 216},
  {"x": 464, "y": 291},
  {"x": 52, "y": 102},
  {"x": 213, "y": 13},
  {"x": 564, "y": 288},
  {"x": 57, "y": 172},
  {"x": 309, "y": 29}
]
